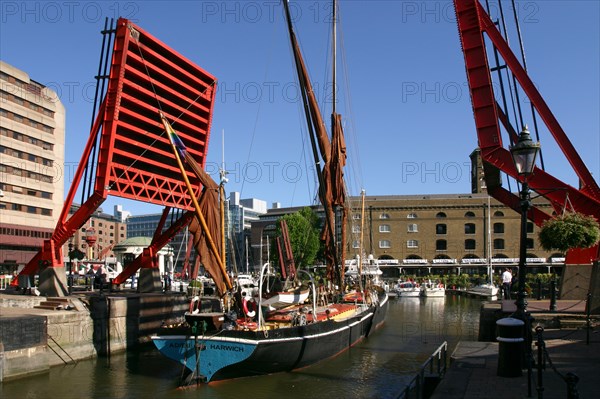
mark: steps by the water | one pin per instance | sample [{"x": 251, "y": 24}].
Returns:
[{"x": 57, "y": 303}]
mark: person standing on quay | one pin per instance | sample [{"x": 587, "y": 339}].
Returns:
[{"x": 506, "y": 282}]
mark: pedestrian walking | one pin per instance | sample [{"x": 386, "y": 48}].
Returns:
[{"x": 506, "y": 283}]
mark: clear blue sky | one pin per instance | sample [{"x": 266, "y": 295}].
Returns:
[{"x": 410, "y": 127}]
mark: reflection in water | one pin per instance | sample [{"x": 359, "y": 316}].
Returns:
[{"x": 379, "y": 367}]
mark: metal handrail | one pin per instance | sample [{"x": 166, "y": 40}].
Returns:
[
  {"x": 439, "y": 358},
  {"x": 570, "y": 379},
  {"x": 63, "y": 349}
]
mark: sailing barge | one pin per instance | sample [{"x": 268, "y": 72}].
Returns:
[
  {"x": 235, "y": 341},
  {"x": 236, "y": 348}
]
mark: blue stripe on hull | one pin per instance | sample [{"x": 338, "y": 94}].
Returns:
[{"x": 214, "y": 354}]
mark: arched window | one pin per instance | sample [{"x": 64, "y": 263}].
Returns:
[
  {"x": 530, "y": 227},
  {"x": 498, "y": 243},
  {"x": 470, "y": 244},
  {"x": 411, "y": 216},
  {"x": 440, "y": 215},
  {"x": 385, "y": 228},
  {"x": 469, "y": 214},
  {"x": 384, "y": 216},
  {"x": 441, "y": 228},
  {"x": 469, "y": 228},
  {"x": 499, "y": 214},
  {"x": 498, "y": 228},
  {"x": 441, "y": 245}
]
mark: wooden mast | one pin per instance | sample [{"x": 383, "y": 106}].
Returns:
[
  {"x": 333, "y": 153},
  {"x": 209, "y": 239},
  {"x": 334, "y": 63},
  {"x": 316, "y": 128},
  {"x": 337, "y": 161}
]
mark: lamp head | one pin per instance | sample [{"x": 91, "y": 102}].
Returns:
[{"x": 524, "y": 153}]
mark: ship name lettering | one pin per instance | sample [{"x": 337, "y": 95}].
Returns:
[{"x": 230, "y": 348}]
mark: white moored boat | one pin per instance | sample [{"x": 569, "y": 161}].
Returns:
[
  {"x": 407, "y": 289},
  {"x": 436, "y": 290},
  {"x": 485, "y": 290},
  {"x": 282, "y": 299}
]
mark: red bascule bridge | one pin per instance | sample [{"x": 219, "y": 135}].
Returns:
[
  {"x": 490, "y": 63},
  {"x": 128, "y": 155}
]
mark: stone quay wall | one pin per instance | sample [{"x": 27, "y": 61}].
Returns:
[{"x": 32, "y": 340}]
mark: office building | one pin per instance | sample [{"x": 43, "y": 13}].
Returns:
[{"x": 32, "y": 153}]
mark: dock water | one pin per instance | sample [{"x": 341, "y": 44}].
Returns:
[{"x": 59, "y": 337}]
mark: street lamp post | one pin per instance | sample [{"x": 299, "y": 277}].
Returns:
[
  {"x": 524, "y": 154},
  {"x": 522, "y": 294}
]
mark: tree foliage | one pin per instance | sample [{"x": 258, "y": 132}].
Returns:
[
  {"x": 303, "y": 229},
  {"x": 570, "y": 230}
]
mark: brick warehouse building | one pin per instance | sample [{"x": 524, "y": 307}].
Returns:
[
  {"x": 445, "y": 232},
  {"x": 107, "y": 229},
  {"x": 437, "y": 233},
  {"x": 32, "y": 141},
  {"x": 425, "y": 234}
]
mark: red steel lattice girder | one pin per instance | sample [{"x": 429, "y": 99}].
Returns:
[
  {"x": 473, "y": 21},
  {"x": 135, "y": 159}
]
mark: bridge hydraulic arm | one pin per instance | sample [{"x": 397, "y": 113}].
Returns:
[
  {"x": 66, "y": 227},
  {"x": 158, "y": 241},
  {"x": 589, "y": 184},
  {"x": 473, "y": 22}
]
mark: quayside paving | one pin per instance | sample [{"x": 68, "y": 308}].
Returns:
[{"x": 572, "y": 348}]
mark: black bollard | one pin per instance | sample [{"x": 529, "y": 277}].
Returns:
[
  {"x": 572, "y": 380},
  {"x": 553, "y": 292},
  {"x": 588, "y": 320},
  {"x": 510, "y": 347},
  {"x": 540, "y": 360}
]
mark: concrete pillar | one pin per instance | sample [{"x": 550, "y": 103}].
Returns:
[
  {"x": 53, "y": 282},
  {"x": 150, "y": 280}
]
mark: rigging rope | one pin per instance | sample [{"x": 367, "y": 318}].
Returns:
[
  {"x": 522, "y": 47},
  {"x": 256, "y": 119},
  {"x": 105, "y": 55},
  {"x": 356, "y": 165}
]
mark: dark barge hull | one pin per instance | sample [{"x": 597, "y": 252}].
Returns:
[{"x": 232, "y": 354}]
